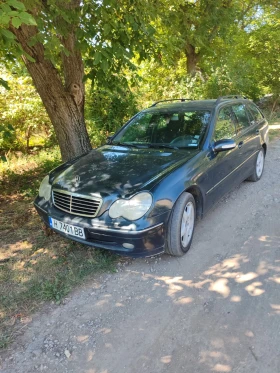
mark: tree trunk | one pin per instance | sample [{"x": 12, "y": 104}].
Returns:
[
  {"x": 64, "y": 104},
  {"x": 192, "y": 59}
]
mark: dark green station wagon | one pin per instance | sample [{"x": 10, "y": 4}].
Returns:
[{"x": 142, "y": 192}]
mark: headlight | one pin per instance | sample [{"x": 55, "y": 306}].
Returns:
[
  {"x": 45, "y": 188},
  {"x": 133, "y": 208}
]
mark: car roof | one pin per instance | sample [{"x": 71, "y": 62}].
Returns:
[{"x": 193, "y": 104}]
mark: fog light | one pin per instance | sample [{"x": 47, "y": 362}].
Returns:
[{"x": 128, "y": 245}]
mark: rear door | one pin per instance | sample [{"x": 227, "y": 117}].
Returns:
[
  {"x": 247, "y": 138},
  {"x": 258, "y": 123}
]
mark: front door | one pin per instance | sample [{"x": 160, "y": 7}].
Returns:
[{"x": 222, "y": 166}]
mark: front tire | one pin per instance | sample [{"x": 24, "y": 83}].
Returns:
[
  {"x": 259, "y": 166},
  {"x": 181, "y": 226}
]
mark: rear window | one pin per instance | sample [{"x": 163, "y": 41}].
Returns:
[
  {"x": 257, "y": 115},
  {"x": 241, "y": 115}
]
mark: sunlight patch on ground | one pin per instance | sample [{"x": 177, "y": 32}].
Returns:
[
  {"x": 82, "y": 338},
  {"x": 220, "y": 286},
  {"x": 274, "y": 126},
  {"x": 218, "y": 343},
  {"x": 276, "y": 308},
  {"x": 221, "y": 368},
  {"x": 166, "y": 359},
  {"x": 246, "y": 277},
  {"x": 253, "y": 289},
  {"x": 216, "y": 361},
  {"x": 184, "y": 300},
  {"x": 263, "y": 238},
  {"x": 249, "y": 334},
  {"x": 235, "y": 298},
  {"x": 262, "y": 268},
  {"x": 14, "y": 249},
  {"x": 90, "y": 356},
  {"x": 274, "y": 279}
]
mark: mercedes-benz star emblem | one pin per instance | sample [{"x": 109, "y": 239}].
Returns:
[{"x": 76, "y": 182}]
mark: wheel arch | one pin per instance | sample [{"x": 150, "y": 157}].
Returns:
[
  {"x": 264, "y": 148},
  {"x": 195, "y": 191}
]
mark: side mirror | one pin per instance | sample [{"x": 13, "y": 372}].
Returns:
[
  {"x": 108, "y": 139},
  {"x": 223, "y": 145}
]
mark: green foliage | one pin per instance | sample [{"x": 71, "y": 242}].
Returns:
[
  {"x": 108, "y": 33},
  {"x": 136, "y": 53},
  {"x": 120, "y": 29},
  {"x": 23, "y": 117},
  {"x": 193, "y": 29},
  {"x": 12, "y": 12},
  {"x": 236, "y": 50},
  {"x": 7, "y": 136},
  {"x": 266, "y": 38},
  {"x": 108, "y": 109}
]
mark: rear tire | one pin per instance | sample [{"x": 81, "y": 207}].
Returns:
[
  {"x": 181, "y": 226},
  {"x": 259, "y": 166}
]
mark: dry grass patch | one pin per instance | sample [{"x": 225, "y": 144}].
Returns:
[{"x": 35, "y": 268}]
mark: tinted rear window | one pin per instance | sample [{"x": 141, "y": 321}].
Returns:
[{"x": 257, "y": 115}]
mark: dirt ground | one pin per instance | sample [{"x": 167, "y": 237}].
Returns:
[{"x": 217, "y": 309}]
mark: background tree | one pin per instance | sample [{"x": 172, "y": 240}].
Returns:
[
  {"x": 193, "y": 27},
  {"x": 53, "y": 37},
  {"x": 227, "y": 54},
  {"x": 134, "y": 53}
]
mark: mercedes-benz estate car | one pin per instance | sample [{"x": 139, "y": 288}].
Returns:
[{"x": 142, "y": 192}]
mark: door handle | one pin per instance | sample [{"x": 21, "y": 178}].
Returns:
[
  {"x": 240, "y": 144},
  {"x": 257, "y": 132}
]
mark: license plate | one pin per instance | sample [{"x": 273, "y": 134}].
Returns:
[{"x": 70, "y": 229}]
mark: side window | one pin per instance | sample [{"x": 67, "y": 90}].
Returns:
[
  {"x": 250, "y": 115},
  {"x": 225, "y": 125},
  {"x": 257, "y": 115},
  {"x": 241, "y": 115}
]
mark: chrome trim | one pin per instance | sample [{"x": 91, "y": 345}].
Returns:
[
  {"x": 228, "y": 146},
  {"x": 210, "y": 190},
  {"x": 124, "y": 231},
  {"x": 97, "y": 200},
  {"x": 75, "y": 194}
]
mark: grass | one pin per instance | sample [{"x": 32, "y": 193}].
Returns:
[
  {"x": 22, "y": 175},
  {"x": 35, "y": 268}
]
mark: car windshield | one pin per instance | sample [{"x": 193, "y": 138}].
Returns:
[{"x": 173, "y": 129}]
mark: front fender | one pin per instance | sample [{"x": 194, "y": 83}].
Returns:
[{"x": 187, "y": 177}]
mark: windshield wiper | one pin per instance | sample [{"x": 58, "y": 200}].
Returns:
[
  {"x": 155, "y": 145},
  {"x": 127, "y": 144}
]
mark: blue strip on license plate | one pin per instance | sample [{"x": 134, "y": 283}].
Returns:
[{"x": 66, "y": 228}]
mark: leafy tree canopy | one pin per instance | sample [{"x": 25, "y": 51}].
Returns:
[{"x": 107, "y": 33}]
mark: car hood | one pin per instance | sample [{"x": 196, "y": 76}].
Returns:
[{"x": 120, "y": 170}]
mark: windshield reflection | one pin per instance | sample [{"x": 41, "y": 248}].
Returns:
[{"x": 170, "y": 129}]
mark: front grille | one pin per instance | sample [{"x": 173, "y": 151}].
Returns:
[{"x": 76, "y": 204}]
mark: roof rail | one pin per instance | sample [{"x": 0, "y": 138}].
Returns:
[
  {"x": 172, "y": 99},
  {"x": 229, "y": 97}
]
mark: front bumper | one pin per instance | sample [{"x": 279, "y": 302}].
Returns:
[{"x": 135, "y": 243}]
